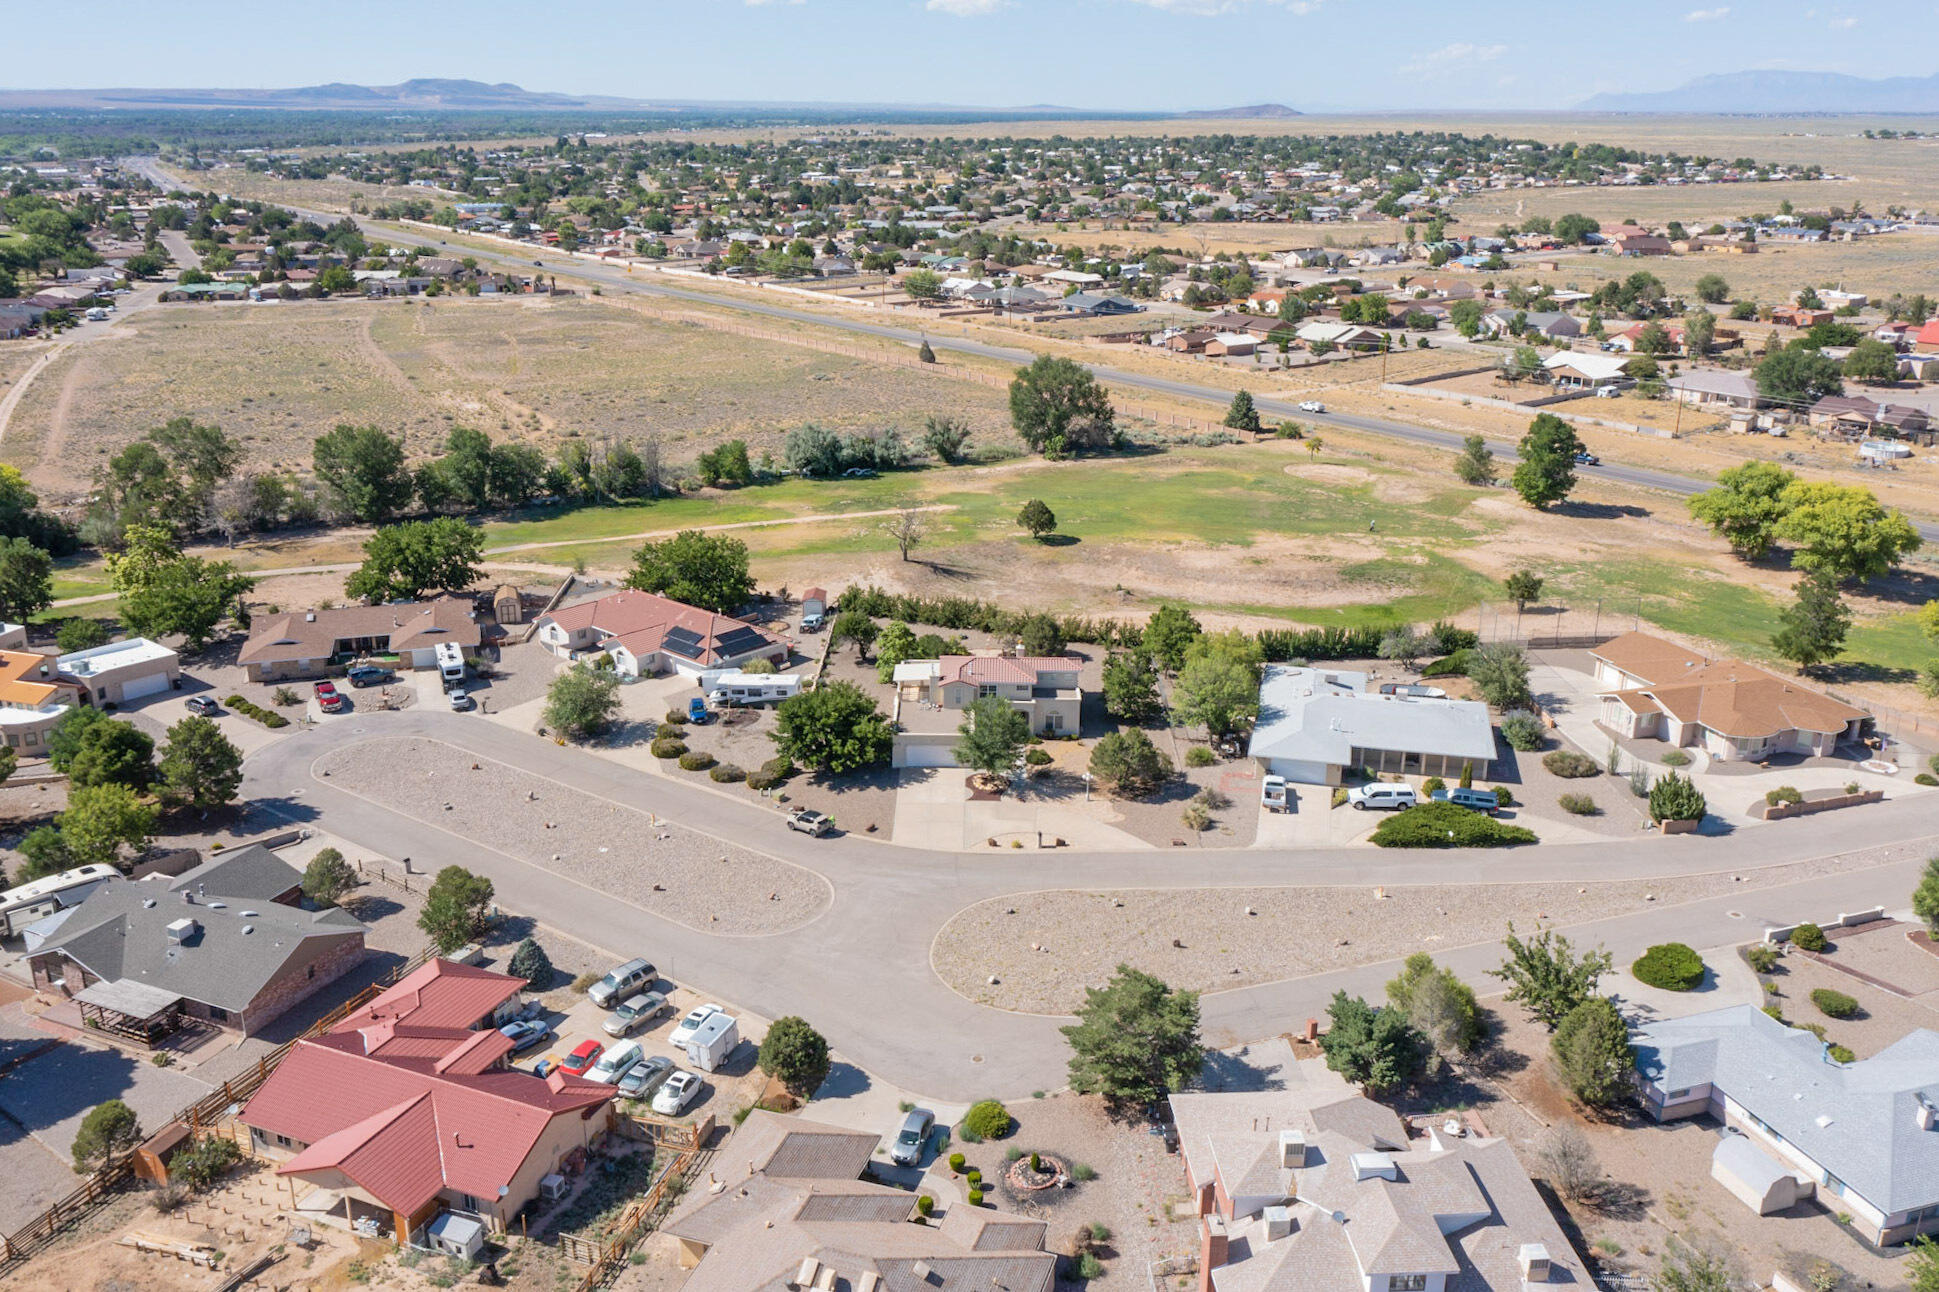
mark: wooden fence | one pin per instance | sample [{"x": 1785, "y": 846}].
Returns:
[
  {"x": 639, "y": 1217},
  {"x": 204, "y": 1116}
]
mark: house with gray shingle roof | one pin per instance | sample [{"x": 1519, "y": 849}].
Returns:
[{"x": 1865, "y": 1135}]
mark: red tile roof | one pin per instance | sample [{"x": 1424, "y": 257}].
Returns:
[
  {"x": 1000, "y": 668},
  {"x": 640, "y": 622}
]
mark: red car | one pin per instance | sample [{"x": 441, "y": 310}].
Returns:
[
  {"x": 583, "y": 1057},
  {"x": 328, "y": 698}
]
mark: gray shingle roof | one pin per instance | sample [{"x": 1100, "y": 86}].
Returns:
[
  {"x": 1859, "y": 1122},
  {"x": 1323, "y": 715}
]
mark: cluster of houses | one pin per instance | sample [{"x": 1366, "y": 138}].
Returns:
[{"x": 38, "y": 689}]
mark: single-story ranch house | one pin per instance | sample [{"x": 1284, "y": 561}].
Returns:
[
  {"x": 1865, "y": 1135},
  {"x": 1315, "y": 723},
  {"x": 121, "y": 671},
  {"x": 1729, "y": 709},
  {"x": 302, "y": 643},
  {"x": 647, "y": 634}
]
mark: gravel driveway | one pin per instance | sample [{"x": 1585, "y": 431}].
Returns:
[{"x": 675, "y": 873}]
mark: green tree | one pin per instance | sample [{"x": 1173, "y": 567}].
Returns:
[
  {"x": 1745, "y": 505},
  {"x": 1437, "y": 1004},
  {"x": 26, "y": 580},
  {"x": 581, "y": 702},
  {"x": 80, "y": 633},
  {"x": 110, "y": 752},
  {"x": 1170, "y": 630},
  {"x": 199, "y": 768},
  {"x": 1653, "y": 340},
  {"x": 945, "y": 437},
  {"x": 1925, "y": 898},
  {"x": 1131, "y": 686},
  {"x": 834, "y": 728},
  {"x": 1699, "y": 333},
  {"x": 1673, "y": 797},
  {"x": 1135, "y": 1040},
  {"x": 1812, "y": 628},
  {"x": 530, "y": 962},
  {"x": 1592, "y": 1052},
  {"x": 921, "y": 284},
  {"x": 700, "y": 569},
  {"x": 1546, "y": 977},
  {"x": 1546, "y": 472},
  {"x": 1476, "y": 465},
  {"x": 403, "y": 562},
  {"x": 328, "y": 877},
  {"x": 1685, "y": 1269},
  {"x": 1241, "y": 415},
  {"x": 1059, "y": 409},
  {"x": 853, "y": 626},
  {"x": 100, "y": 819},
  {"x": 1127, "y": 764},
  {"x": 45, "y": 851},
  {"x": 1843, "y": 531},
  {"x": 893, "y": 645},
  {"x": 109, "y": 1130},
  {"x": 1372, "y": 1047},
  {"x": 1522, "y": 587},
  {"x": 146, "y": 552},
  {"x": 1466, "y": 316},
  {"x": 1797, "y": 377},
  {"x": 992, "y": 734},
  {"x": 1711, "y": 289},
  {"x": 1573, "y": 228},
  {"x": 1872, "y": 362},
  {"x": 1499, "y": 671},
  {"x": 1037, "y": 518},
  {"x": 455, "y": 908},
  {"x": 68, "y": 735},
  {"x": 362, "y": 473},
  {"x": 465, "y": 468},
  {"x": 796, "y": 1055},
  {"x": 187, "y": 598},
  {"x": 1218, "y": 685}
]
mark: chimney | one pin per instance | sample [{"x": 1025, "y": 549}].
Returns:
[
  {"x": 1535, "y": 1263},
  {"x": 1279, "y": 1223},
  {"x": 1292, "y": 1148}
]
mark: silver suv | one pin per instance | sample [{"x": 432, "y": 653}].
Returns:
[{"x": 621, "y": 983}]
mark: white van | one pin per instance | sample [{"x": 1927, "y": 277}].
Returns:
[
  {"x": 451, "y": 664},
  {"x": 1272, "y": 794},
  {"x": 615, "y": 1063},
  {"x": 1388, "y": 797}
]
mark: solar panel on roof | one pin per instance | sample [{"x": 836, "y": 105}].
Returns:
[
  {"x": 682, "y": 641},
  {"x": 739, "y": 641}
]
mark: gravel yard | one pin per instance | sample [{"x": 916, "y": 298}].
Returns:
[
  {"x": 672, "y": 872},
  {"x": 1882, "y": 1018},
  {"x": 1061, "y": 940}
]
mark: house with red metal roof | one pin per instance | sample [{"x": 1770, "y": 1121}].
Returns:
[
  {"x": 645, "y": 634},
  {"x": 409, "y": 1107}
]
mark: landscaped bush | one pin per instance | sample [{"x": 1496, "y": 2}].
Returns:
[
  {"x": 1570, "y": 765},
  {"x": 1675, "y": 758},
  {"x": 1809, "y": 937},
  {"x": 268, "y": 717},
  {"x": 956, "y": 1161},
  {"x": 1839, "y": 1054},
  {"x": 668, "y": 747},
  {"x": 761, "y": 781},
  {"x": 987, "y": 1120},
  {"x": 1674, "y": 798},
  {"x": 1432, "y": 784},
  {"x": 1455, "y": 665},
  {"x": 697, "y": 761},
  {"x": 1443, "y": 825},
  {"x": 924, "y": 1204},
  {"x": 1196, "y": 818},
  {"x": 1579, "y": 805},
  {"x": 975, "y": 1197},
  {"x": 1671, "y": 966},
  {"x": 1339, "y": 796},
  {"x": 1783, "y": 794},
  {"x": 1523, "y": 730},
  {"x": 1925, "y": 778},
  {"x": 1038, "y": 758},
  {"x": 667, "y": 731},
  {"x": 727, "y": 774},
  {"x": 1200, "y": 756},
  {"x": 1834, "y": 1004},
  {"x": 1504, "y": 797},
  {"x": 1761, "y": 956},
  {"x": 779, "y": 768},
  {"x": 678, "y": 717}
]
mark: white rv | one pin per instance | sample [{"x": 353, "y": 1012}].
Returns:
[
  {"x": 451, "y": 664},
  {"x": 21, "y": 906},
  {"x": 734, "y": 687}
]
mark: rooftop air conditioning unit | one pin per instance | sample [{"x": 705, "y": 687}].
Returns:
[
  {"x": 1292, "y": 1148},
  {"x": 1279, "y": 1223},
  {"x": 1535, "y": 1263},
  {"x": 180, "y": 931}
]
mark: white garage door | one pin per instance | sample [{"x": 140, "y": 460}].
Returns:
[
  {"x": 925, "y": 755},
  {"x": 144, "y": 686}
]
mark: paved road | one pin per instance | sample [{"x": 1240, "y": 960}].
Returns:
[
  {"x": 618, "y": 280},
  {"x": 861, "y": 971}
]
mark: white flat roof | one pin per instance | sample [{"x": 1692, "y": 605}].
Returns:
[
  {"x": 915, "y": 670},
  {"x": 1323, "y": 715},
  {"x": 132, "y": 650}
]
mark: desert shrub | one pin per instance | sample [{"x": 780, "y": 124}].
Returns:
[
  {"x": 667, "y": 731},
  {"x": 1200, "y": 756},
  {"x": 988, "y": 1120},
  {"x": 678, "y": 717},
  {"x": 1839, "y": 1054},
  {"x": 205, "y": 1162},
  {"x": 1089, "y": 1266},
  {"x": 761, "y": 781},
  {"x": 1570, "y": 765},
  {"x": 1675, "y": 758},
  {"x": 1783, "y": 794},
  {"x": 1522, "y": 730},
  {"x": 697, "y": 761},
  {"x": 285, "y": 696},
  {"x": 1925, "y": 778},
  {"x": 1443, "y": 825},
  {"x": 1761, "y": 956},
  {"x": 975, "y": 1197},
  {"x": 1037, "y": 758},
  {"x": 1579, "y": 805},
  {"x": 1671, "y": 966},
  {"x": 1196, "y": 818},
  {"x": 924, "y": 1204},
  {"x": 1433, "y": 784},
  {"x": 1339, "y": 796},
  {"x": 1834, "y": 1004},
  {"x": 956, "y": 1161},
  {"x": 668, "y": 747},
  {"x": 727, "y": 774},
  {"x": 1809, "y": 937},
  {"x": 1083, "y": 1172},
  {"x": 1504, "y": 797}
]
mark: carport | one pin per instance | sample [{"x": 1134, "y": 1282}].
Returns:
[{"x": 135, "y": 1010}]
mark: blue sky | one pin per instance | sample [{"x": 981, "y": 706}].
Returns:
[{"x": 1127, "y": 54}]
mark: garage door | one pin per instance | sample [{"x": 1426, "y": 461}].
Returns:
[
  {"x": 144, "y": 686},
  {"x": 925, "y": 754}
]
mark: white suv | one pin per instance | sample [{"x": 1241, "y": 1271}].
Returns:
[{"x": 1363, "y": 797}]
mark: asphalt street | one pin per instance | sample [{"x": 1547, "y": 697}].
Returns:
[{"x": 861, "y": 970}]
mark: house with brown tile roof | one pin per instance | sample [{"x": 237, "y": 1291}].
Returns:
[
  {"x": 304, "y": 643},
  {"x": 785, "y": 1207},
  {"x": 409, "y": 1107},
  {"x": 1317, "y": 1189},
  {"x": 1732, "y": 710},
  {"x": 645, "y": 634}
]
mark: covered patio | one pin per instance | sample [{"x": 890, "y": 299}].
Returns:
[{"x": 135, "y": 1011}]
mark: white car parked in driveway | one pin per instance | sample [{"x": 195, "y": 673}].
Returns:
[
  {"x": 691, "y": 1024},
  {"x": 675, "y": 1093}
]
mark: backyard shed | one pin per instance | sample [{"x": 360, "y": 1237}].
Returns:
[
  {"x": 508, "y": 605},
  {"x": 1753, "y": 1177}
]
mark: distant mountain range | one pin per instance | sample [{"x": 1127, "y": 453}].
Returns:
[
  {"x": 1254, "y": 112},
  {"x": 1772, "y": 91}
]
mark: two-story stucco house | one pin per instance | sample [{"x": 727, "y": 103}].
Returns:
[{"x": 1044, "y": 688}]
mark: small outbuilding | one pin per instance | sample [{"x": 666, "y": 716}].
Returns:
[
  {"x": 455, "y": 1235},
  {"x": 1753, "y": 1177},
  {"x": 508, "y": 605}
]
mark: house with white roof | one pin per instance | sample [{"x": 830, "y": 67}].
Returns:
[
  {"x": 1864, "y": 1136},
  {"x": 1585, "y": 371},
  {"x": 1315, "y": 723}
]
